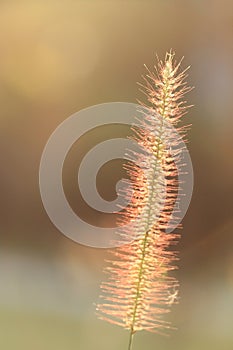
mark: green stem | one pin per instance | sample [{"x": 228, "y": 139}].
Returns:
[
  {"x": 131, "y": 340},
  {"x": 140, "y": 275},
  {"x": 141, "y": 267}
]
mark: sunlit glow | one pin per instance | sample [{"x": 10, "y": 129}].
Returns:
[{"x": 139, "y": 289}]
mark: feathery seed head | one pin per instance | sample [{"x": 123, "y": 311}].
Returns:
[{"x": 139, "y": 288}]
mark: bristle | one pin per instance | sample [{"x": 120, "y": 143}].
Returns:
[{"x": 139, "y": 288}]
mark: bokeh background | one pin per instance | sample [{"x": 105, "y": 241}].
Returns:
[{"x": 57, "y": 57}]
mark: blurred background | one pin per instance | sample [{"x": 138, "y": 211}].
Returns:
[{"x": 58, "y": 57}]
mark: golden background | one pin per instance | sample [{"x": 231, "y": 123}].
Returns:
[{"x": 57, "y": 57}]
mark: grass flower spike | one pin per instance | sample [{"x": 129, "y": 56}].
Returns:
[{"x": 139, "y": 287}]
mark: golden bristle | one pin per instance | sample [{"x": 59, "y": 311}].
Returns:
[{"x": 139, "y": 289}]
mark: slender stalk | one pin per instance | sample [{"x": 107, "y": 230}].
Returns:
[
  {"x": 150, "y": 209},
  {"x": 131, "y": 340}
]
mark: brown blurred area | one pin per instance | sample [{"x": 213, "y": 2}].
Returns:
[{"x": 58, "y": 57}]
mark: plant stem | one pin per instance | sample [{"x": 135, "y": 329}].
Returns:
[{"x": 131, "y": 340}]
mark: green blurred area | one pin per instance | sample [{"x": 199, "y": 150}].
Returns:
[{"x": 58, "y": 57}]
